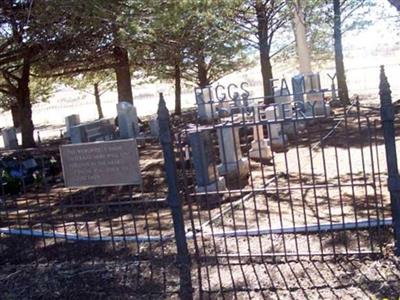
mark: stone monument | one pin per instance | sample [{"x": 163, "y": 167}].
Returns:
[
  {"x": 128, "y": 122},
  {"x": 206, "y": 107},
  {"x": 233, "y": 165},
  {"x": 207, "y": 176},
  {"x": 71, "y": 121},
  {"x": 277, "y": 138},
  {"x": 260, "y": 149},
  {"x": 10, "y": 138}
]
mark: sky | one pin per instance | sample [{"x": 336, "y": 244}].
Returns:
[{"x": 381, "y": 34}]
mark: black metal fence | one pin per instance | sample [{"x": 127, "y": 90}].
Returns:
[
  {"x": 216, "y": 196},
  {"x": 125, "y": 229}
]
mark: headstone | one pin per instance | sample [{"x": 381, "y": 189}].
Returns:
[
  {"x": 260, "y": 149},
  {"x": 71, "y": 121},
  {"x": 298, "y": 88},
  {"x": 101, "y": 163},
  {"x": 154, "y": 128},
  {"x": 206, "y": 107},
  {"x": 310, "y": 85},
  {"x": 233, "y": 165},
  {"x": 285, "y": 106},
  {"x": 317, "y": 108},
  {"x": 312, "y": 82},
  {"x": 277, "y": 138},
  {"x": 207, "y": 176},
  {"x": 77, "y": 134},
  {"x": 284, "y": 102},
  {"x": 128, "y": 122},
  {"x": 10, "y": 138},
  {"x": 99, "y": 130}
]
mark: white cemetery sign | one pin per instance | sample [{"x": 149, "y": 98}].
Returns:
[{"x": 101, "y": 163}]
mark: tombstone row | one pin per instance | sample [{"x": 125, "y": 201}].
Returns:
[
  {"x": 103, "y": 129},
  {"x": 287, "y": 116}
]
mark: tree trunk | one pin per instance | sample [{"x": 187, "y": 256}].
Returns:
[
  {"x": 15, "y": 115},
  {"x": 123, "y": 75},
  {"x": 395, "y": 3},
  {"x": 264, "y": 48},
  {"x": 98, "y": 102},
  {"x": 24, "y": 105},
  {"x": 202, "y": 73},
  {"x": 340, "y": 71},
  {"x": 303, "y": 52},
  {"x": 178, "y": 105}
]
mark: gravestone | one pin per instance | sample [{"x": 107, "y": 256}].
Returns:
[
  {"x": 277, "y": 138},
  {"x": 10, "y": 138},
  {"x": 291, "y": 125},
  {"x": 310, "y": 86},
  {"x": 99, "y": 130},
  {"x": 206, "y": 107},
  {"x": 101, "y": 163},
  {"x": 284, "y": 102},
  {"x": 207, "y": 176},
  {"x": 260, "y": 149},
  {"x": 154, "y": 128},
  {"x": 233, "y": 165},
  {"x": 298, "y": 88},
  {"x": 128, "y": 122},
  {"x": 315, "y": 96},
  {"x": 71, "y": 121},
  {"x": 77, "y": 134}
]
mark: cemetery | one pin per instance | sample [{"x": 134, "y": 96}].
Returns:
[
  {"x": 105, "y": 183},
  {"x": 196, "y": 171}
]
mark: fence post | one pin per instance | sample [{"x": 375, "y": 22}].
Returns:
[
  {"x": 387, "y": 119},
  {"x": 174, "y": 200}
]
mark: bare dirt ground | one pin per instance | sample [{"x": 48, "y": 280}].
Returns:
[{"x": 100, "y": 273}]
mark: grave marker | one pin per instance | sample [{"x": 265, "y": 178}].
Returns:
[
  {"x": 10, "y": 138},
  {"x": 233, "y": 165},
  {"x": 71, "y": 121},
  {"x": 259, "y": 146},
  {"x": 128, "y": 122},
  {"x": 101, "y": 163},
  {"x": 206, "y": 107},
  {"x": 277, "y": 138},
  {"x": 207, "y": 178}
]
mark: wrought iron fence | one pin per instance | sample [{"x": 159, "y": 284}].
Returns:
[
  {"x": 43, "y": 222},
  {"x": 216, "y": 196}
]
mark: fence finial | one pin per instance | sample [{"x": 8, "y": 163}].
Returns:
[
  {"x": 384, "y": 88},
  {"x": 163, "y": 113}
]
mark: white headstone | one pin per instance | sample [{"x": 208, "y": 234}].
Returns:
[
  {"x": 71, "y": 121},
  {"x": 10, "y": 137},
  {"x": 206, "y": 107},
  {"x": 127, "y": 120},
  {"x": 233, "y": 165},
  {"x": 277, "y": 138},
  {"x": 154, "y": 128},
  {"x": 259, "y": 146}
]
